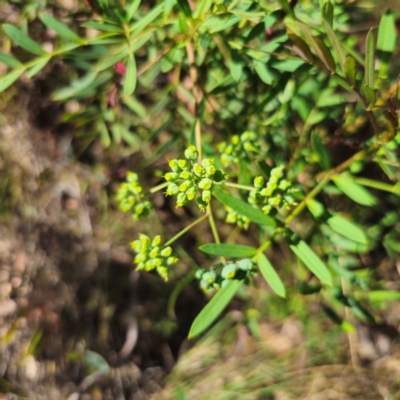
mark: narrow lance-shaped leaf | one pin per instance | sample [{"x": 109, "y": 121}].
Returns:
[
  {"x": 185, "y": 8},
  {"x": 139, "y": 26},
  {"x": 263, "y": 72},
  {"x": 369, "y": 60},
  {"x": 8, "y": 79},
  {"x": 302, "y": 48},
  {"x": 22, "y": 40},
  {"x": 270, "y": 275},
  {"x": 319, "y": 47},
  {"x": 347, "y": 228},
  {"x": 354, "y": 191},
  {"x": 169, "y": 5},
  {"x": 243, "y": 208},
  {"x": 316, "y": 208},
  {"x": 60, "y": 28},
  {"x": 236, "y": 65},
  {"x": 386, "y": 41},
  {"x": 320, "y": 150},
  {"x": 228, "y": 250},
  {"x": 370, "y": 95},
  {"x": 131, "y": 9},
  {"x": 335, "y": 44},
  {"x": 312, "y": 262},
  {"x": 214, "y": 308},
  {"x": 131, "y": 76},
  {"x": 9, "y": 60},
  {"x": 327, "y": 13},
  {"x": 111, "y": 60},
  {"x": 38, "y": 66},
  {"x": 350, "y": 71}
]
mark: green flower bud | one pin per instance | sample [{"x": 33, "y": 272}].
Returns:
[
  {"x": 266, "y": 192},
  {"x": 198, "y": 169},
  {"x": 191, "y": 153},
  {"x": 204, "y": 285},
  {"x": 206, "y": 196},
  {"x": 199, "y": 273},
  {"x": 266, "y": 209},
  {"x": 139, "y": 258},
  {"x": 284, "y": 184},
  {"x": 163, "y": 272},
  {"x": 247, "y": 136},
  {"x": 209, "y": 277},
  {"x": 245, "y": 264},
  {"x": 231, "y": 218},
  {"x": 221, "y": 147},
  {"x": 166, "y": 252},
  {"x": 172, "y": 260},
  {"x": 132, "y": 177},
  {"x": 156, "y": 241},
  {"x": 207, "y": 162},
  {"x": 144, "y": 240},
  {"x": 275, "y": 201},
  {"x": 186, "y": 175},
  {"x": 181, "y": 200},
  {"x": 173, "y": 164},
  {"x": 135, "y": 245},
  {"x": 249, "y": 147},
  {"x": 183, "y": 187},
  {"x": 171, "y": 176},
  {"x": 191, "y": 193},
  {"x": 172, "y": 189},
  {"x": 140, "y": 267},
  {"x": 148, "y": 266},
  {"x": 229, "y": 271},
  {"x": 235, "y": 140},
  {"x": 157, "y": 262},
  {"x": 229, "y": 150},
  {"x": 210, "y": 171},
  {"x": 205, "y": 184},
  {"x": 183, "y": 164},
  {"x": 258, "y": 182},
  {"x": 225, "y": 159},
  {"x": 154, "y": 252}
]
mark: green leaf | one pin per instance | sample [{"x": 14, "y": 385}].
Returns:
[
  {"x": 347, "y": 228},
  {"x": 312, "y": 262},
  {"x": 319, "y": 47},
  {"x": 131, "y": 9},
  {"x": 22, "y": 40},
  {"x": 384, "y": 295},
  {"x": 263, "y": 72},
  {"x": 60, "y": 28},
  {"x": 228, "y": 250},
  {"x": 169, "y": 5},
  {"x": 370, "y": 95},
  {"x": 76, "y": 87},
  {"x": 41, "y": 63},
  {"x": 327, "y": 13},
  {"x": 202, "y": 8},
  {"x": 104, "y": 135},
  {"x": 355, "y": 191},
  {"x": 8, "y": 60},
  {"x": 185, "y": 8},
  {"x": 369, "y": 60},
  {"x": 270, "y": 275},
  {"x": 320, "y": 150},
  {"x": 135, "y": 106},
  {"x": 8, "y": 79},
  {"x": 214, "y": 308},
  {"x": 302, "y": 48},
  {"x": 236, "y": 65},
  {"x": 243, "y": 208},
  {"x": 111, "y": 60},
  {"x": 103, "y": 27},
  {"x": 350, "y": 71},
  {"x": 147, "y": 20},
  {"x": 131, "y": 76},
  {"x": 315, "y": 207},
  {"x": 335, "y": 44},
  {"x": 386, "y": 43}
]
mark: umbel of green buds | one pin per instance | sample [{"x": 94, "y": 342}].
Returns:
[
  {"x": 131, "y": 197},
  {"x": 151, "y": 255},
  {"x": 211, "y": 280},
  {"x": 238, "y": 147},
  {"x": 189, "y": 178},
  {"x": 268, "y": 196}
]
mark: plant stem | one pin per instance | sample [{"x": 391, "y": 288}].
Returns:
[
  {"x": 212, "y": 224},
  {"x": 236, "y": 185},
  {"x": 159, "y": 187},
  {"x": 184, "y": 230},
  {"x": 387, "y": 187}
]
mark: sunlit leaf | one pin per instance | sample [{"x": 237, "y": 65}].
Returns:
[
  {"x": 169, "y": 5},
  {"x": 131, "y": 76},
  {"x": 243, "y": 208},
  {"x": 386, "y": 43},
  {"x": 355, "y": 191},
  {"x": 312, "y": 262},
  {"x": 347, "y": 228},
  {"x": 9, "y": 60},
  {"x": 131, "y": 9},
  {"x": 228, "y": 250},
  {"x": 321, "y": 151},
  {"x": 8, "y": 79},
  {"x": 315, "y": 207},
  {"x": 302, "y": 48},
  {"x": 111, "y": 60},
  {"x": 327, "y": 13},
  {"x": 369, "y": 60},
  {"x": 337, "y": 47},
  {"x": 350, "y": 70},
  {"x": 214, "y": 308},
  {"x": 270, "y": 275},
  {"x": 41, "y": 63},
  {"x": 370, "y": 95},
  {"x": 148, "y": 19},
  {"x": 103, "y": 27},
  {"x": 60, "y": 28},
  {"x": 263, "y": 72},
  {"x": 22, "y": 40}
]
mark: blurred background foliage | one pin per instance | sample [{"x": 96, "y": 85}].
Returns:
[{"x": 75, "y": 320}]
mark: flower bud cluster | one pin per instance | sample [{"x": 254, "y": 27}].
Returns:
[
  {"x": 211, "y": 280},
  {"x": 131, "y": 198},
  {"x": 187, "y": 178},
  {"x": 276, "y": 193},
  {"x": 238, "y": 147},
  {"x": 151, "y": 255}
]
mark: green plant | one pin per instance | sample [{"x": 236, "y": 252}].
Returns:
[{"x": 251, "y": 86}]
